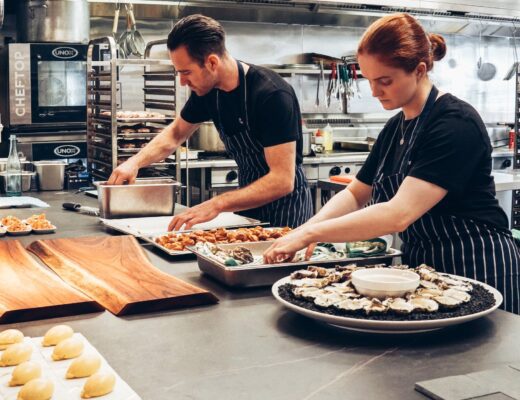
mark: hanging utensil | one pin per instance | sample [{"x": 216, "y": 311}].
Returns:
[
  {"x": 138, "y": 43},
  {"x": 317, "y": 102},
  {"x": 123, "y": 39},
  {"x": 330, "y": 86},
  {"x": 485, "y": 70},
  {"x": 322, "y": 74},
  {"x": 119, "y": 49},
  {"x": 356, "y": 80}
]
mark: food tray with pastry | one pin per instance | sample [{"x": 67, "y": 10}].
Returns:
[
  {"x": 391, "y": 300},
  {"x": 62, "y": 365},
  {"x": 136, "y": 116},
  {"x": 175, "y": 243},
  {"x": 40, "y": 224},
  {"x": 242, "y": 265},
  {"x": 15, "y": 226}
]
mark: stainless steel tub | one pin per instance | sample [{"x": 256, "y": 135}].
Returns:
[
  {"x": 144, "y": 198},
  {"x": 267, "y": 274}
]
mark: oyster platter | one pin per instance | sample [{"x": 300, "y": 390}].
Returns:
[{"x": 437, "y": 300}]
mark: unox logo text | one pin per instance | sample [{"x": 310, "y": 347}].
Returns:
[
  {"x": 64, "y": 52},
  {"x": 67, "y": 150}
]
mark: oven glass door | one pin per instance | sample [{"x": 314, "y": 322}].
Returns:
[{"x": 58, "y": 86}]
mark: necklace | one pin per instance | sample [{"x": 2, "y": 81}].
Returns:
[{"x": 403, "y": 131}]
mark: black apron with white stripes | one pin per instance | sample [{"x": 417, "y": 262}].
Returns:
[
  {"x": 452, "y": 244},
  {"x": 291, "y": 210}
]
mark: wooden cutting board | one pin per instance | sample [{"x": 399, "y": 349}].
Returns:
[
  {"x": 29, "y": 291},
  {"x": 115, "y": 271}
]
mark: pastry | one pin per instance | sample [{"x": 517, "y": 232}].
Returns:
[
  {"x": 99, "y": 384},
  {"x": 56, "y": 334},
  {"x": 9, "y": 337},
  {"x": 84, "y": 366},
  {"x": 36, "y": 389},
  {"x": 67, "y": 349},
  {"x": 25, "y": 372},
  {"x": 16, "y": 354}
]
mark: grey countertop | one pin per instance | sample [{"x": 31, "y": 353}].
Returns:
[{"x": 250, "y": 347}]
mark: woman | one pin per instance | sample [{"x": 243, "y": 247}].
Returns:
[{"x": 428, "y": 176}]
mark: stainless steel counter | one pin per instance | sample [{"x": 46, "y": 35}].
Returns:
[{"x": 250, "y": 347}]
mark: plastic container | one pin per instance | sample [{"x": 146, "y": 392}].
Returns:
[{"x": 328, "y": 138}]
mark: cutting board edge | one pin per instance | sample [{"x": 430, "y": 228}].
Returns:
[{"x": 169, "y": 303}]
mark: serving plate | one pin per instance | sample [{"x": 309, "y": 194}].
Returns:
[{"x": 388, "y": 327}]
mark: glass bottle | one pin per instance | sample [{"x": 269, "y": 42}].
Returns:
[{"x": 13, "y": 174}]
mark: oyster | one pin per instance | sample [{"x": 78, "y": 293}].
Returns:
[
  {"x": 306, "y": 292},
  {"x": 242, "y": 255},
  {"x": 427, "y": 273},
  {"x": 429, "y": 293},
  {"x": 420, "y": 303},
  {"x": 399, "y": 305},
  {"x": 303, "y": 273},
  {"x": 319, "y": 270},
  {"x": 457, "y": 294},
  {"x": 325, "y": 299},
  {"x": 375, "y": 306},
  {"x": 447, "y": 302},
  {"x": 428, "y": 284},
  {"x": 353, "y": 304}
]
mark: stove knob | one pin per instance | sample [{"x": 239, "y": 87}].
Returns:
[
  {"x": 335, "y": 171},
  {"x": 505, "y": 164},
  {"x": 231, "y": 176},
  {"x": 347, "y": 170}
]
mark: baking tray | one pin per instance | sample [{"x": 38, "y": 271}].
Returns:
[
  {"x": 267, "y": 274},
  {"x": 149, "y": 228},
  {"x": 151, "y": 239}
]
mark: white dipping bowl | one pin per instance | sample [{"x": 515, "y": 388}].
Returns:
[{"x": 384, "y": 282}]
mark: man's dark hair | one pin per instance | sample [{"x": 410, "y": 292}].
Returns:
[{"x": 201, "y": 35}]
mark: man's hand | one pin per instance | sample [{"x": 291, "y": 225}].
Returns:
[
  {"x": 195, "y": 215},
  {"x": 125, "y": 173}
]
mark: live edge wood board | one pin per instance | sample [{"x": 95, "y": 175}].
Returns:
[
  {"x": 116, "y": 272},
  {"x": 29, "y": 291}
]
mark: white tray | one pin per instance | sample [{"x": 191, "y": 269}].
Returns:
[{"x": 64, "y": 389}]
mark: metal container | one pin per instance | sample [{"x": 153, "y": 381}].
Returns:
[
  {"x": 144, "y": 198},
  {"x": 26, "y": 181},
  {"x": 51, "y": 174},
  {"x": 267, "y": 274},
  {"x": 64, "y": 21},
  {"x": 207, "y": 138}
]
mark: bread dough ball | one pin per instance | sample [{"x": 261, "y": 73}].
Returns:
[
  {"x": 99, "y": 384},
  {"x": 16, "y": 354},
  {"x": 9, "y": 337},
  {"x": 84, "y": 366},
  {"x": 56, "y": 334},
  {"x": 37, "y": 389},
  {"x": 68, "y": 348},
  {"x": 25, "y": 372}
]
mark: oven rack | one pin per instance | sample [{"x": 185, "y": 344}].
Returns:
[{"x": 105, "y": 130}]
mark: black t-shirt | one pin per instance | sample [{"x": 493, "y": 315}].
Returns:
[
  {"x": 452, "y": 151},
  {"x": 272, "y": 107}
]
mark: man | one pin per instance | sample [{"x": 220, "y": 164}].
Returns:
[{"x": 258, "y": 118}]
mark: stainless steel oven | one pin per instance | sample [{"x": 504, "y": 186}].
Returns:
[{"x": 46, "y": 86}]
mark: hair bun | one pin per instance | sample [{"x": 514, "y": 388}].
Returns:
[{"x": 438, "y": 46}]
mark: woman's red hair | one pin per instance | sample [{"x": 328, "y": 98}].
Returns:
[{"x": 401, "y": 42}]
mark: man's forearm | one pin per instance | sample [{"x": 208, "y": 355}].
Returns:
[
  {"x": 158, "y": 149},
  {"x": 262, "y": 191}
]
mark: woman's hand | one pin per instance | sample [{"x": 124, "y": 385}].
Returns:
[{"x": 284, "y": 248}]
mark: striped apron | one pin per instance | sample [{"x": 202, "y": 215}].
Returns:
[
  {"x": 291, "y": 210},
  {"x": 452, "y": 244}
]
